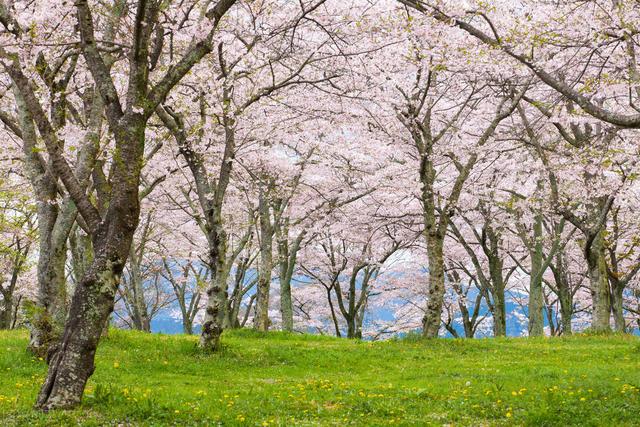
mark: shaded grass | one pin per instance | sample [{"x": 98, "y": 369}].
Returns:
[{"x": 288, "y": 379}]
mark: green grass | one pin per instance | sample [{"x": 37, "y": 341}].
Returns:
[{"x": 285, "y": 379}]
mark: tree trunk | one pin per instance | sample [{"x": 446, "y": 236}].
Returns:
[
  {"x": 55, "y": 220},
  {"x": 435, "y": 292},
  {"x": 140, "y": 312},
  {"x": 41, "y": 320},
  {"x": 214, "y": 313},
  {"x": 566, "y": 312},
  {"x": 261, "y": 320},
  {"x": 6, "y": 311},
  {"x": 468, "y": 329},
  {"x": 287, "y": 258},
  {"x": 351, "y": 327},
  {"x": 187, "y": 326},
  {"x": 359, "y": 322},
  {"x": 50, "y": 311},
  {"x": 334, "y": 317},
  {"x": 536, "y": 300},
  {"x": 565, "y": 296},
  {"x": 233, "y": 316},
  {"x": 72, "y": 361},
  {"x": 43, "y": 184},
  {"x": 499, "y": 313},
  {"x": 598, "y": 283},
  {"x": 286, "y": 305},
  {"x": 617, "y": 309}
]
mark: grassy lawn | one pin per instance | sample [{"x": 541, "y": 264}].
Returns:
[{"x": 284, "y": 379}]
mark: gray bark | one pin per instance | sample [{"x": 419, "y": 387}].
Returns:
[
  {"x": 287, "y": 255},
  {"x": 565, "y": 293},
  {"x": 536, "y": 300},
  {"x": 594, "y": 252},
  {"x": 261, "y": 320}
]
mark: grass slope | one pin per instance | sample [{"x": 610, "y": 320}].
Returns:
[{"x": 284, "y": 379}]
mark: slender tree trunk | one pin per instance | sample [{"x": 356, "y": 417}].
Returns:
[
  {"x": 435, "y": 292},
  {"x": 287, "y": 258},
  {"x": 499, "y": 313},
  {"x": 334, "y": 317},
  {"x": 187, "y": 325},
  {"x": 140, "y": 311},
  {"x": 140, "y": 307},
  {"x": 617, "y": 306},
  {"x": 351, "y": 327},
  {"x": 233, "y": 316},
  {"x": 6, "y": 311},
  {"x": 360, "y": 321},
  {"x": 261, "y": 320},
  {"x": 536, "y": 300},
  {"x": 468, "y": 329},
  {"x": 565, "y": 296},
  {"x": 599, "y": 284},
  {"x": 566, "y": 312},
  {"x": 286, "y": 305}
]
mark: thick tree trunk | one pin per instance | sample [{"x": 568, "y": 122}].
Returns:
[
  {"x": 435, "y": 293},
  {"x": 50, "y": 311},
  {"x": 536, "y": 299},
  {"x": 72, "y": 360},
  {"x": 41, "y": 320},
  {"x": 45, "y": 320},
  {"x": 215, "y": 309},
  {"x": 81, "y": 255},
  {"x": 598, "y": 283},
  {"x": 55, "y": 219}
]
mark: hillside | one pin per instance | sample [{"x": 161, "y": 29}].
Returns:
[{"x": 282, "y": 379}]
